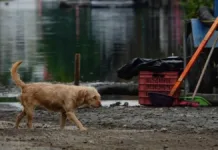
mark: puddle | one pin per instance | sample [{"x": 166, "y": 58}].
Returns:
[
  {"x": 9, "y": 101},
  {"x": 6, "y": 106}
]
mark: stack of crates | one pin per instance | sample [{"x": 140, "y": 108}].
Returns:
[{"x": 156, "y": 82}]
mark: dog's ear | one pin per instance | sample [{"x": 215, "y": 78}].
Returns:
[
  {"x": 82, "y": 94},
  {"x": 92, "y": 96}
]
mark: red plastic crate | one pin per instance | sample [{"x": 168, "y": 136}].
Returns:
[{"x": 156, "y": 82}]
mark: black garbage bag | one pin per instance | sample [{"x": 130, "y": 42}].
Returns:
[
  {"x": 136, "y": 65},
  {"x": 127, "y": 71},
  {"x": 206, "y": 15}
]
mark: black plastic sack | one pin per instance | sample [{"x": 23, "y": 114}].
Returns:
[
  {"x": 127, "y": 71},
  {"x": 136, "y": 65},
  {"x": 206, "y": 15}
]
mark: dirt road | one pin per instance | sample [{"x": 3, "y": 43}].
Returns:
[{"x": 120, "y": 128}]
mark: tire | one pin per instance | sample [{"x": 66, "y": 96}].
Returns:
[{"x": 206, "y": 85}]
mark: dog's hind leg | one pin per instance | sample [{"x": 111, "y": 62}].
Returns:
[
  {"x": 29, "y": 113},
  {"x": 72, "y": 117},
  {"x": 20, "y": 116},
  {"x": 63, "y": 120}
]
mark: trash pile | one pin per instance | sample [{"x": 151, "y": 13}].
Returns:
[
  {"x": 132, "y": 68},
  {"x": 169, "y": 64}
]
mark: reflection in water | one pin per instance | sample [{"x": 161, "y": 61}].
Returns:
[
  {"x": 18, "y": 37},
  {"x": 46, "y": 39},
  {"x": 113, "y": 29}
]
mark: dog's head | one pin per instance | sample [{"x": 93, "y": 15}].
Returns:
[{"x": 90, "y": 96}]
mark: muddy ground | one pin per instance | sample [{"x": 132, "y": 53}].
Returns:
[{"x": 120, "y": 128}]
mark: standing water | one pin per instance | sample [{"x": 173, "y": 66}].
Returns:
[{"x": 46, "y": 38}]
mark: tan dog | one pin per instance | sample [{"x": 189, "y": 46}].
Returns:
[{"x": 55, "y": 97}]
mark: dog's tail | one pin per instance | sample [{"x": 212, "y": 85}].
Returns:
[{"x": 15, "y": 76}]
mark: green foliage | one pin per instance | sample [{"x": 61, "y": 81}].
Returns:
[
  {"x": 61, "y": 44},
  {"x": 191, "y": 6}
]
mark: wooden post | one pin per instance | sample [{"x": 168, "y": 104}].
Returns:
[{"x": 77, "y": 69}]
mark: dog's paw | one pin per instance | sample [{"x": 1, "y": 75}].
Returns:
[{"x": 83, "y": 129}]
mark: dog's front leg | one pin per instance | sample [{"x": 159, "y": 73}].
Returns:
[{"x": 72, "y": 117}]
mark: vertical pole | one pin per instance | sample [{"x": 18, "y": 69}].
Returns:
[
  {"x": 40, "y": 7},
  {"x": 185, "y": 56},
  {"x": 77, "y": 69},
  {"x": 77, "y": 22}
]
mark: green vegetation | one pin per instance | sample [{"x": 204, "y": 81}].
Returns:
[
  {"x": 191, "y": 6},
  {"x": 60, "y": 46}
]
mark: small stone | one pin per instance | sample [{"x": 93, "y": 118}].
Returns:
[
  {"x": 115, "y": 104},
  {"x": 85, "y": 142},
  {"x": 165, "y": 147},
  {"x": 92, "y": 142},
  {"x": 121, "y": 141},
  {"x": 126, "y": 104},
  {"x": 163, "y": 130},
  {"x": 124, "y": 125}
]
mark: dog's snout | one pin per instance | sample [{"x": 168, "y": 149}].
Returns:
[{"x": 98, "y": 104}]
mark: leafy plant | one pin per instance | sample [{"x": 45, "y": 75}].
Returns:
[{"x": 191, "y": 6}]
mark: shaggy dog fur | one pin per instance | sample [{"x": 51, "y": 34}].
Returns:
[{"x": 55, "y": 97}]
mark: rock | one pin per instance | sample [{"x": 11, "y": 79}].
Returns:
[
  {"x": 85, "y": 142},
  {"x": 126, "y": 104},
  {"x": 115, "y": 104},
  {"x": 124, "y": 125},
  {"x": 90, "y": 141},
  {"x": 155, "y": 130},
  {"x": 165, "y": 147},
  {"x": 163, "y": 130}
]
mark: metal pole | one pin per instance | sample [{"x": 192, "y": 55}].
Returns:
[{"x": 185, "y": 57}]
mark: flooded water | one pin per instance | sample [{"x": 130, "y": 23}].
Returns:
[
  {"x": 47, "y": 38},
  {"x": 106, "y": 103}
]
